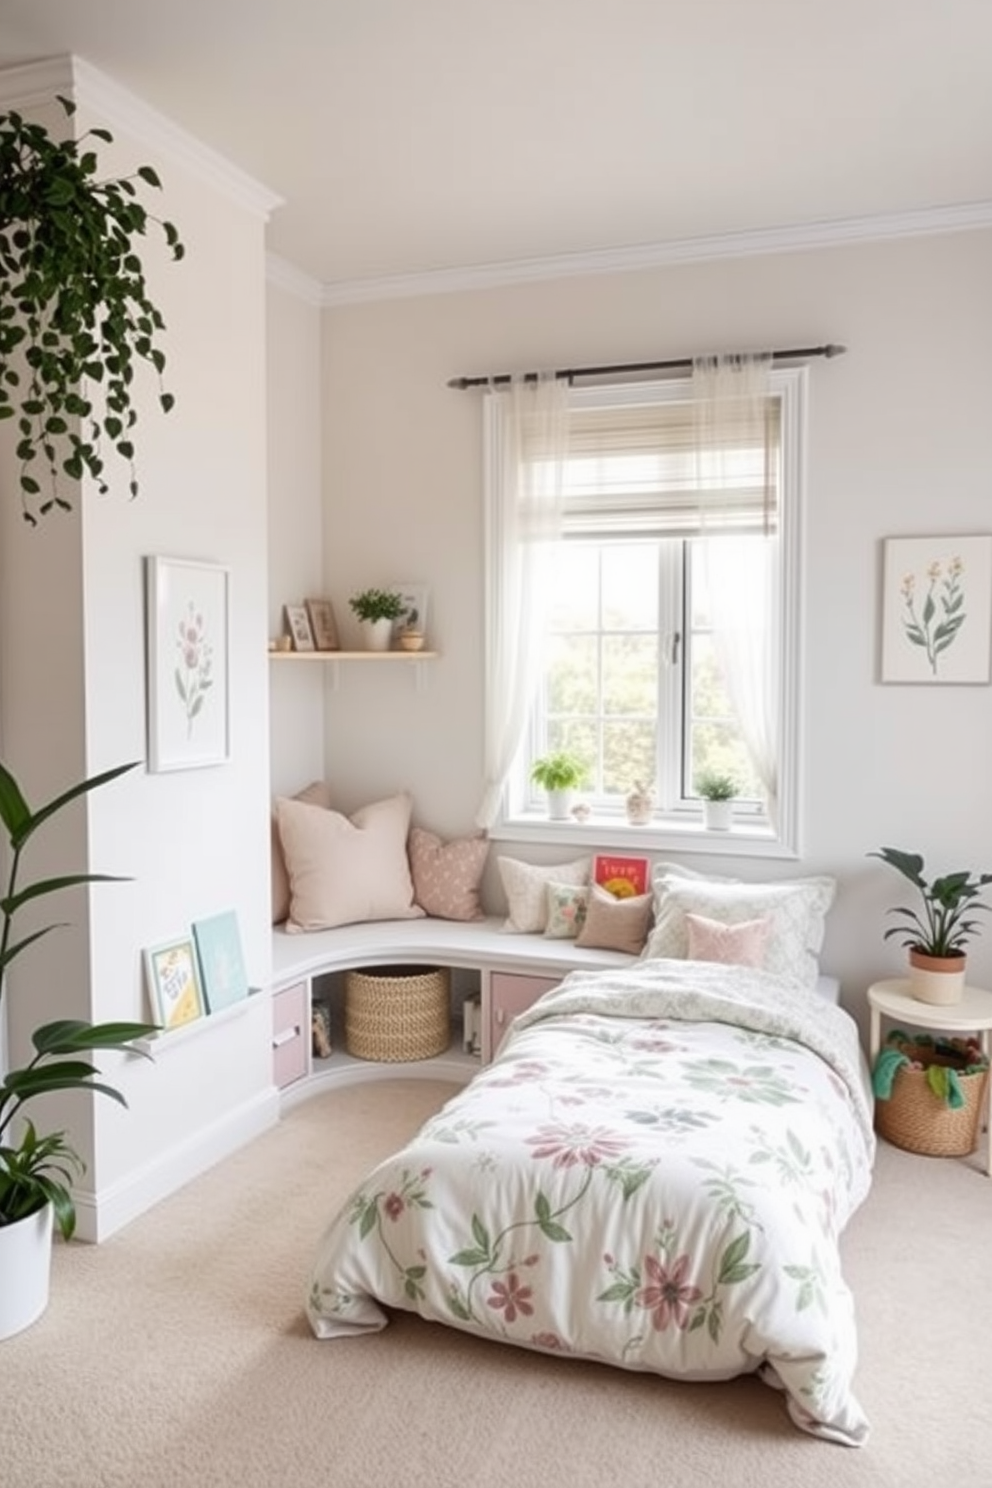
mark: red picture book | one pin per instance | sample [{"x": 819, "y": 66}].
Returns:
[{"x": 621, "y": 875}]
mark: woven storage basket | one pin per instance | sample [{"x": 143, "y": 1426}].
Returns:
[
  {"x": 397, "y": 1013},
  {"x": 915, "y": 1118}
]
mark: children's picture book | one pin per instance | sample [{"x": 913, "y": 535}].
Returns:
[
  {"x": 621, "y": 875},
  {"x": 173, "y": 983},
  {"x": 222, "y": 967}
]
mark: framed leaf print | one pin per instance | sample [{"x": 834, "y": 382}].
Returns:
[{"x": 937, "y": 609}]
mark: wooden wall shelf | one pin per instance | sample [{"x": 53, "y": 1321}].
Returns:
[{"x": 352, "y": 655}]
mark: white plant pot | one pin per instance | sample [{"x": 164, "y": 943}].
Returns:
[
  {"x": 560, "y": 805},
  {"x": 718, "y": 816},
  {"x": 939, "y": 982},
  {"x": 378, "y": 634},
  {"x": 25, "y": 1269}
]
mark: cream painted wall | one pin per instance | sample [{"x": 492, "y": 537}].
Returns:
[
  {"x": 72, "y": 702},
  {"x": 898, "y": 445}
]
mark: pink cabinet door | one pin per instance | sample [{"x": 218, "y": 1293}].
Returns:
[
  {"x": 509, "y": 995},
  {"x": 289, "y": 1034}
]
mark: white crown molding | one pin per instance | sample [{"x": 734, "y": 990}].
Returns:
[
  {"x": 802, "y": 238},
  {"x": 36, "y": 83},
  {"x": 281, "y": 274}
]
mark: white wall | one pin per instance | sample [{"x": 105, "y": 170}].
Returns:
[
  {"x": 72, "y": 692},
  {"x": 898, "y": 444}
]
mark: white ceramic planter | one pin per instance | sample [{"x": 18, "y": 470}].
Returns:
[
  {"x": 560, "y": 805},
  {"x": 25, "y": 1269},
  {"x": 718, "y": 815},
  {"x": 378, "y": 634}
]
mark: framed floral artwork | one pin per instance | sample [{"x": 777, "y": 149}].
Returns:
[
  {"x": 322, "y": 623},
  {"x": 298, "y": 626},
  {"x": 187, "y": 605},
  {"x": 937, "y": 609}
]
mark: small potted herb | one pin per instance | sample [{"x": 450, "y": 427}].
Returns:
[
  {"x": 377, "y": 609},
  {"x": 937, "y": 933},
  {"x": 717, "y": 789},
  {"x": 559, "y": 773}
]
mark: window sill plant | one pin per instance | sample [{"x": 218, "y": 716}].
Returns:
[
  {"x": 936, "y": 934},
  {"x": 559, "y": 773},
  {"x": 37, "y": 1169},
  {"x": 717, "y": 790}
]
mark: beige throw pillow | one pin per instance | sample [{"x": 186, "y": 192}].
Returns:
[
  {"x": 343, "y": 870},
  {"x": 614, "y": 924},
  {"x": 318, "y": 793},
  {"x": 525, "y": 886},
  {"x": 446, "y": 875}
]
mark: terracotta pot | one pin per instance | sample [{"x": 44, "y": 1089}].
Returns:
[{"x": 938, "y": 980}]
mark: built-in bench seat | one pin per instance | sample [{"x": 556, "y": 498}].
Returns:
[{"x": 512, "y": 969}]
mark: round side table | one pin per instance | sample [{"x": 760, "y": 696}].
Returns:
[{"x": 973, "y": 1014}]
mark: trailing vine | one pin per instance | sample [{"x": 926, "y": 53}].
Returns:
[{"x": 74, "y": 308}]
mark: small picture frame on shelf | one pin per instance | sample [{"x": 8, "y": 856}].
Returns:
[
  {"x": 174, "y": 983},
  {"x": 322, "y": 624},
  {"x": 416, "y": 598},
  {"x": 298, "y": 625}
]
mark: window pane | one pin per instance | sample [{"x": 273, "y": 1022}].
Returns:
[
  {"x": 628, "y": 756},
  {"x": 630, "y": 674},
  {"x": 575, "y": 595},
  {"x": 630, "y": 586},
  {"x": 572, "y": 675}
]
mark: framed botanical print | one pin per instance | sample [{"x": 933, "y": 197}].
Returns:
[
  {"x": 187, "y": 606},
  {"x": 322, "y": 624},
  {"x": 937, "y": 609}
]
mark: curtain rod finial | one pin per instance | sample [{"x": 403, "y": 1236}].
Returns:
[{"x": 831, "y": 350}]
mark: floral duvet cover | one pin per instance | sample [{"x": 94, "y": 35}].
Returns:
[{"x": 654, "y": 1173}]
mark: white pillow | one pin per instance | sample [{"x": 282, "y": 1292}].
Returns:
[
  {"x": 567, "y": 904},
  {"x": 795, "y": 910},
  {"x": 525, "y": 886},
  {"x": 343, "y": 870}
]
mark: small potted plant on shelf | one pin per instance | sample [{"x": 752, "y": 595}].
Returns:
[
  {"x": 559, "y": 773},
  {"x": 936, "y": 934},
  {"x": 377, "y": 609},
  {"x": 717, "y": 789},
  {"x": 37, "y": 1169}
]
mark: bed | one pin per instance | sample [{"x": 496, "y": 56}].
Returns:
[{"x": 654, "y": 1173}]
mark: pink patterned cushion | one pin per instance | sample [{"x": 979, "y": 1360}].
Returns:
[
  {"x": 446, "y": 875},
  {"x": 732, "y": 945}
]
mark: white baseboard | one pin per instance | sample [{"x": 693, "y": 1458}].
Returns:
[{"x": 100, "y": 1215}]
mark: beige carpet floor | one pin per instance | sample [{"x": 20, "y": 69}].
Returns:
[{"x": 176, "y": 1355}]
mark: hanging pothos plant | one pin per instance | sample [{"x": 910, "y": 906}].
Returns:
[{"x": 74, "y": 309}]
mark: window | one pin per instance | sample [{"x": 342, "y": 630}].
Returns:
[{"x": 640, "y": 670}]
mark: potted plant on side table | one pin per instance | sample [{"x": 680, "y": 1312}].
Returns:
[
  {"x": 37, "y": 1169},
  {"x": 935, "y": 935},
  {"x": 377, "y": 609}
]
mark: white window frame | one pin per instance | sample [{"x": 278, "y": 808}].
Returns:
[{"x": 682, "y": 830}]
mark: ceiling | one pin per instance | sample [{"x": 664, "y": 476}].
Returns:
[{"x": 410, "y": 137}]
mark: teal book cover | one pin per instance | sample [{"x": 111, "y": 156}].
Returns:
[{"x": 222, "y": 966}]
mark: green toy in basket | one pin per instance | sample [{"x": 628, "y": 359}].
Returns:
[
  {"x": 901, "y": 1051},
  {"x": 929, "y": 1093}
]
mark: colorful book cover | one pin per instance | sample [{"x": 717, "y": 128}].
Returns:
[
  {"x": 621, "y": 875},
  {"x": 222, "y": 967}
]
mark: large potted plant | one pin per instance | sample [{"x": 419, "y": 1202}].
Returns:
[
  {"x": 937, "y": 933},
  {"x": 559, "y": 773},
  {"x": 37, "y": 1168},
  {"x": 377, "y": 609},
  {"x": 76, "y": 318}
]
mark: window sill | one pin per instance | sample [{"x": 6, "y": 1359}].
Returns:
[{"x": 744, "y": 839}]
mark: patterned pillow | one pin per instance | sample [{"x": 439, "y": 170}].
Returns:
[
  {"x": 446, "y": 875},
  {"x": 566, "y": 910},
  {"x": 614, "y": 924},
  {"x": 731, "y": 945},
  {"x": 524, "y": 886},
  {"x": 795, "y": 909}
]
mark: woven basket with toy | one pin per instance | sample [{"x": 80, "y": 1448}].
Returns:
[{"x": 930, "y": 1093}]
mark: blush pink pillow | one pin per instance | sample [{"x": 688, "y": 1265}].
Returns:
[
  {"x": 731, "y": 945},
  {"x": 447, "y": 875}
]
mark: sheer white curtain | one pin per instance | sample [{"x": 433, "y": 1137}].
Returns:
[
  {"x": 737, "y": 473},
  {"x": 525, "y": 445}
]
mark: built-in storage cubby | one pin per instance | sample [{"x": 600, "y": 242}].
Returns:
[{"x": 501, "y": 974}]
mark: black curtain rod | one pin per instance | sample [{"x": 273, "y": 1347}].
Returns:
[{"x": 799, "y": 353}]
